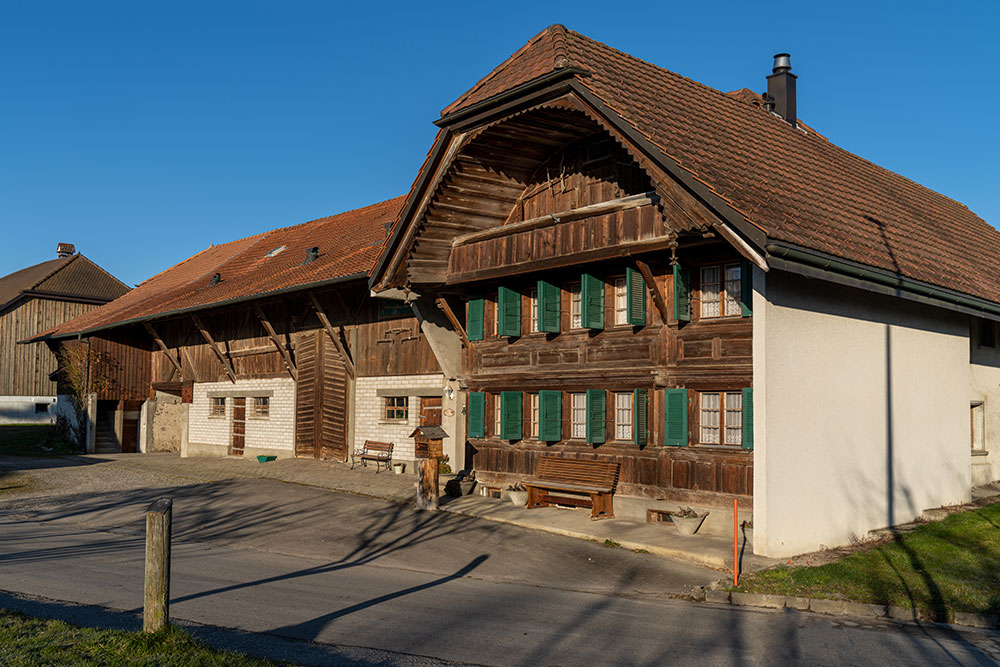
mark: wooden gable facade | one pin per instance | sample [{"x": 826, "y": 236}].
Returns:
[{"x": 604, "y": 308}]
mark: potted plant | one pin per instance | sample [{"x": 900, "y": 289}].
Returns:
[
  {"x": 466, "y": 482},
  {"x": 399, "y": 468},
  {"x": 518, "y": 494},
  {"x": 687, "y": 520}
]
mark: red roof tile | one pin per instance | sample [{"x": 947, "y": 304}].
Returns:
[
  {"x": 791, "y": 182},
  {"x": 348, "y": 245}
]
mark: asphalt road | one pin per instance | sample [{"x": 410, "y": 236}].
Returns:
[{"x": 325, "y": 578}]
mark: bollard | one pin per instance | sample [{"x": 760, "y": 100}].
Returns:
[
  {"x": 427, "y": 484},
  {"x": 156, "y": 593}
]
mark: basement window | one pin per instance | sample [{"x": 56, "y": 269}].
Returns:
[
  {"x": 217, "y": 408},
  {"x": 41, "y": 408},
  {"x": 261, "y": 406}
]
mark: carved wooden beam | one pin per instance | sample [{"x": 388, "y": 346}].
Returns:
[
  {"x": 654, "y": 289},
  {"x": 450, "y": 314},
  {"x": 289, "y": 364},
  {"x": 334, "y": 336},
  {"x": 226, "y": 364},
  {"x": 601, "y": 208},
  {"x": 166, "y": 351},
  {"x": 187, "y": 357}
]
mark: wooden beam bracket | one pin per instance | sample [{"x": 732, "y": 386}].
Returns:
[
  {"x": 445, "y": 307},
  {"x": 654, "y": 289},
  {"x": 289, "y": 364},
  {"x": 223, "y": 359},
  {"x": 166, "y": 351},
  {"x": 334, "y": 335}
]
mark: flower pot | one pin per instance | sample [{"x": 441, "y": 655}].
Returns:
[
  {"x": 399, "y": 468},
  {"x": 466, "y": 486},
  {"x": 688, "y": 525},
  {"x": 519, "y": 498}
]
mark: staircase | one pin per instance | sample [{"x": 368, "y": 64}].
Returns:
[{"x": 105, "y": 437}]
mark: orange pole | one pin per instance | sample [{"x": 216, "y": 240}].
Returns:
[{"x": 736, "y": 560}]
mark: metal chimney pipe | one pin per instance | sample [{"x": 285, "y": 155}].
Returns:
[{"x": 781, "y": 88}]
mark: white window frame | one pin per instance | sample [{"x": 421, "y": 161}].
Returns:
[
  {"x": 496, "y": 415},
  {"x": 533, "y": 308},
  {"x": 534, "y": 415},
  {"x": 621, "y": 301},
  {"x": 729, "y": 291},
  {"x": 578, "y": 415},
  {"x": 623, "y": 415},
  {"x": 575, "y": 305},
  {"x": 721, "y": 424}
]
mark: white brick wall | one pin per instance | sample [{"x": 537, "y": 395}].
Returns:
[
  {"x": 369, "y": 410},
  {"x": 276, "y": 431}
]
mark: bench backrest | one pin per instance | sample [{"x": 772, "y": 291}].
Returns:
[
  {"x": 375, "y": 446},
  {"x": 576, "y": 471}
]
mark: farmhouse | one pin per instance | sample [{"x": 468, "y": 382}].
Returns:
[
  {"x": 701, "y": 288},
  {"x": 34, "y": 300},
  {"x": 268, "y": 345}
]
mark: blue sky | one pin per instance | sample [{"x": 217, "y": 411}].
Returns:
[{"x": 144, "y": 132}]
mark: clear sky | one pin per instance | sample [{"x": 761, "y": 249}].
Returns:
[{"x": 145, "y": 131}]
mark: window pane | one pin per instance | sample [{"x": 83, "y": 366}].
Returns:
[
  {"x": 533, "y": 307},
  {"x": 710, "y": 292},
  {"x": 575, "y": 304},
  {"x": 534, "y": 415},
  {"x": 710, "y": 418},
  {"x": 496, "y": 415},
  {"x": 578, "y": 416},
  {"x": 734, "y": 418},
  {"x": 733, "y": 290},
  {"x": 261, "y": 406},
  {"x": 621, "y": 301},
  {"x": 623, "y": 416}
]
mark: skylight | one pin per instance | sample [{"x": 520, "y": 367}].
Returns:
[{"x": 276, "y": 251}]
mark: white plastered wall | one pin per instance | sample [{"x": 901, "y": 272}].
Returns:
[
  {"x": 861, "y": 412},
  {"x": 985, "y": 388},
  {"x": 274, "y": 434},
  {"x": 21, "y": 409}
]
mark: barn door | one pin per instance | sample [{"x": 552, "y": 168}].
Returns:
[
  {"x": 239, "y": 426},
  {"x": 321, "y": 402}
]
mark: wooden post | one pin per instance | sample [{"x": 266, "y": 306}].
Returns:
[
  {"x": 736, "y": 551},
  {"x": 427, "y": 484},
  {"x": 156, "y": 593}
]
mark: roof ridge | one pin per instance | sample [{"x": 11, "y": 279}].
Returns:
[
  {"x": 53, "y": 272},
  {"x": 103, "y": 270}
]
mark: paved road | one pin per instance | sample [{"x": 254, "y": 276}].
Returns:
[{"x": 387, "y": 585}]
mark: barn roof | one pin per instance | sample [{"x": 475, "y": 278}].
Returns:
[
  {"x": 253, "y": 267},
  {"x": 790, "y": 182},
  {"x": 72, "y": 277}
]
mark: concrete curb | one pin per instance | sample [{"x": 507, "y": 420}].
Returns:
[{"x": 841, "y": 608}]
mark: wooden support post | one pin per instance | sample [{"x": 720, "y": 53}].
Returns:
[
  {"x": 654, "y": 289},
  {"x": 187, "y": 357},
  {"x": 334, "y": 336},
  {"x": 156, "y": 592},
  {"x": 166, "y": 350},
  {"x": 277, "y": 342},
  {"x": 215, "y": 348},
  {"x": 445, "y": 308},
  {"x": 427, "y": 484}
]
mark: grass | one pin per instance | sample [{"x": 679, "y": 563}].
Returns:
[
  {"x": 611, "y": 544},
  {"x": 32, "y": 440},
  {"x": 938, "y": 568},
  {"x": 31, "y": 641}
]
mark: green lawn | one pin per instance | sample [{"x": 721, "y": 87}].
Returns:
[
  {"x": 939, "y": 568},
  {"x": 31, "y": 641},
  {"x": 33, "y": 440}
]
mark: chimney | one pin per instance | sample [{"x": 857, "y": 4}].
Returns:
[
  {"x": 64, "y": 250},
  {"x": 781, "y": 88}
]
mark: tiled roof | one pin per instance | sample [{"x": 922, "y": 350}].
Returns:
[
  {"x": 68, "y": 276},
  {"x": 348, "y": 245},
  {"x": 791, "y": 182}
]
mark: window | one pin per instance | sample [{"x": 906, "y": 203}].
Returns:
[
  {"x": 217, "y": 407},
  {"x": 533, "y": 310},
  {"x": 496, "y": 415},
  {"x": 397, "y": 408},
  {"x": 623, "y": 415},
  {"x": 721, "y": 418},
  {"x": 41, "y": 408},
  {"x": 720, "y": 291},
  {"x": 261, "y": 406},
  {"x": 534, "y": 415},
  {"x": 987, "y": 333},
  {"x": 621, "y": 301},
  {"x": 977, "y": 427},
  {"x": 578, "y": 414},
  {"x": 575, "y": 306}
]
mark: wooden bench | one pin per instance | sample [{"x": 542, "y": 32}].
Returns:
[
  {"x": 379, "y": 452},
  {"x": 589, "y": 483}
]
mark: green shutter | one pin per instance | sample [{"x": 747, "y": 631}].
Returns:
[
  {"x": 548, "y": 307},
  {"x": 508, "y": 312},
  {"x": 596, "y": 415},
  {"x": 550, "y": 416},
  {"x": 591, "y": 302},
  {"x": 748, "y": 418},
  {"x": 682, "y": 293},
  {"x": 746, "y": 288},
  {"x": 640, "y": 416},
  {"x": 675, "y": 419},
  {"x": 477, "y": 415},
  {"x": 474, "y": 326},
  {"x": 510, "y": 415},
  {"x": 635, "y": 308}
]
